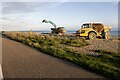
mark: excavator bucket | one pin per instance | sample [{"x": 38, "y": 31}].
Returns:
[{"x": 44, "y": 21}]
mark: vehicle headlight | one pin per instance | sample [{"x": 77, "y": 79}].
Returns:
[{"x": 83, "y": 31}]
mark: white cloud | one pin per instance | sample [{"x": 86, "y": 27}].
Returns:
[
  {"x": 19, "y": 25},
  {"x": 34, "y": 0},
  {"x": 60, "y": 0},
  {"x": 21, "y": 7},
  {"x": 13, "y": 25}
]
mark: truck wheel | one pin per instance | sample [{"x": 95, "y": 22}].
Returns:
[
  {"x": 92, "y": 35},
  {"x": 106, "y": 35}
]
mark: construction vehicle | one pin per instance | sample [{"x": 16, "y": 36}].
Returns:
[
  {"x": 93, "y": 30},
  {"x": 56, "y": 30}
]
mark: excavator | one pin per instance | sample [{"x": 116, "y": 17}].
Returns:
[{"x": 55, "y": 30}]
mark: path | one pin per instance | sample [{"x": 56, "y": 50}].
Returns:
[{"x": 21, "y": 61}]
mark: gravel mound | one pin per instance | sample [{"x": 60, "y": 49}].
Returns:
[{"x": 111, "y": 45}]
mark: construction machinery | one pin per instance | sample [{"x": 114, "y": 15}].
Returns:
[
  {"x": 56, "y": 30},
  {"x": 93, "y": 30}
]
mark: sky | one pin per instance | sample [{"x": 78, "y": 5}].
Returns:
[{"x": 71, "y": 15}]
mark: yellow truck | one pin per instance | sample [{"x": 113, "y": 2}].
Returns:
[{"x": 93, "y": 30}]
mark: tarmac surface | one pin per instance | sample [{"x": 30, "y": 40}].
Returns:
[{"x": 22, "y": 61}]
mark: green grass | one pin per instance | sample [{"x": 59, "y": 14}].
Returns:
[
  {"x": 105, "y": 63},
  {"x": 77, "y": 42}
]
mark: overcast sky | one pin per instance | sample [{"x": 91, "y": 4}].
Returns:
[{"x": 71, "y": 15}]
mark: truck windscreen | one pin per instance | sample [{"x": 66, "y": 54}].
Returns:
[{"x": 85, "y": 26}]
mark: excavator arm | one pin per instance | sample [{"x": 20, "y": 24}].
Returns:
[{"x": 45, "y": 21}]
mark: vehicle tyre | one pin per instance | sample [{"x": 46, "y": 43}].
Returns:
[
  {"x": 106, "y": 35},
  {"x": 92, "y": 35}
]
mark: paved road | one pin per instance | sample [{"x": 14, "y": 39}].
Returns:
[{"x": 21, "y": 61}]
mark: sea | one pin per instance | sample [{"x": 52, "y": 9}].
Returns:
[{"x": 113, "y": 33}]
